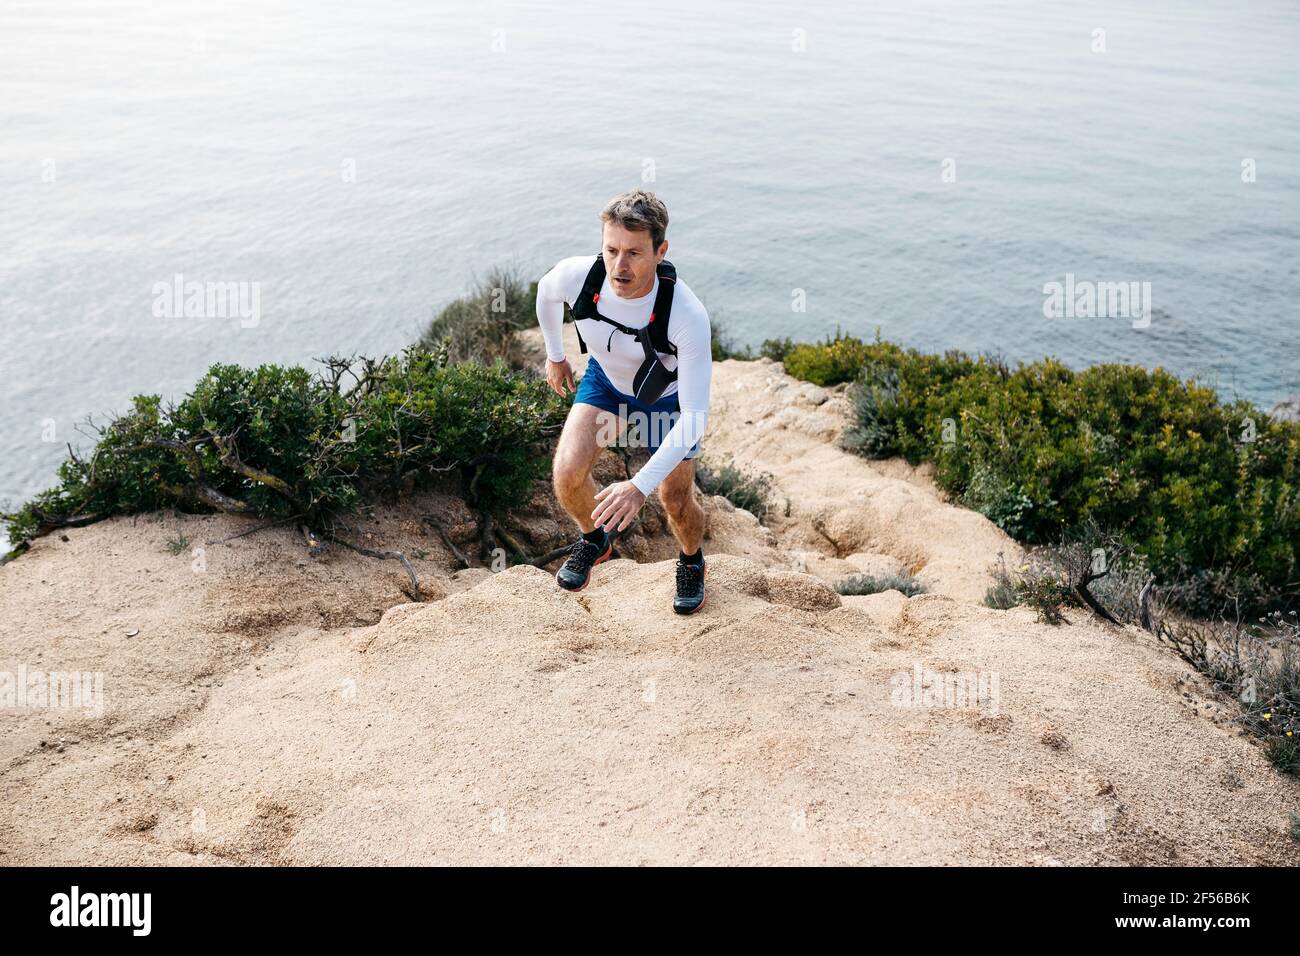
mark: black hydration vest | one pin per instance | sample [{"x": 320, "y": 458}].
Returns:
[{"x": 651, "y": 378}]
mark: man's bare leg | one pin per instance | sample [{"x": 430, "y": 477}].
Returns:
[
  {"x": 685, "y": 516},
  {"x": 587, "y": 431}
]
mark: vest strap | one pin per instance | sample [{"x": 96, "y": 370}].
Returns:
[{"x": 661, "y": 313}]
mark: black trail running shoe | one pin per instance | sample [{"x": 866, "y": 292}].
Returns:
[
  {"x": 690, "y": 587},
  {"x": 575, "y": 572}
]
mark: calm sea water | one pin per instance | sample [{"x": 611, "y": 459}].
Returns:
[{"x": 361, "y": 164}]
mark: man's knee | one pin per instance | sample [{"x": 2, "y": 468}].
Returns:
[
  {"x": 677, "y": 499},
  {"x": 568, "y": 474}
]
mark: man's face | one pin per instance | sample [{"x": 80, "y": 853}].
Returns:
[{"x": 630, "y": 259}]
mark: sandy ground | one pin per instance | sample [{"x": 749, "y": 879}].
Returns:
[{"x": 264, "y": 706}]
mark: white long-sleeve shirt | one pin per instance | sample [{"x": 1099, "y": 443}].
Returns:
[{"x": 620, "y": 356}]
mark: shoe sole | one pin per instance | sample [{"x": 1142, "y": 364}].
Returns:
[
  {"x": 702, "y": 600},
  {"x": 603, "y": 557}
]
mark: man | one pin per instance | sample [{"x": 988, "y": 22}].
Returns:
[{"x": 649, "y": 372}]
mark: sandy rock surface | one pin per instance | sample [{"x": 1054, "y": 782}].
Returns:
[{"x": 265, "y": 706}]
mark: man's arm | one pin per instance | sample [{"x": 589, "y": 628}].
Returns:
[
  {"x": 553, "y": 290},
  {"x": 694, "y": 378},
  {"x": 551, "y": 296}
]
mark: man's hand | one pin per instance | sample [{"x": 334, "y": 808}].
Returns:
[
  {"x": 617, "y": 505},
  {"x": 559, "y": 376}
]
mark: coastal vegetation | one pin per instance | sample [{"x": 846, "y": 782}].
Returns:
[{"x": 1206, "y": 491}]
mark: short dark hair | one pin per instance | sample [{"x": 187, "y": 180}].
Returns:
[{"x": 641, "y": 210}]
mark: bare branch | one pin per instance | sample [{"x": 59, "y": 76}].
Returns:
[
  {"x": 206, "y": 495},
  {"x": 446, "y": 539},
  {"x": 253, "y": 530},
  {"x": 386, "y": 555},
  {"x": 230, "y": 458},
  {"x": 1081, "y": 589}
]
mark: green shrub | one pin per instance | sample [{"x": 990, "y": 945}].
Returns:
[
  {"x": 127, "y": 474},
  {"x": 1208, "y": 492},
  {"x": 283, "y": 442},
  {"x": 481, "y": 326},
  {"x": 874, "y": 401},
  {"x": 1283, "y": 752},
  {"x": 742, "y": 488},
  {"x": 1006, "y": 505},
  {"x": 1002, "y": 595},
  {"x": 1047, "y": 596},
  {"x": 836, "y": 360},
  {"x": 1086, "y": 563},
  {"x": 1041, "y": 583},
  {"x": 495, "y": 425},
  {"x": 723, "y": 344},
  {"x": 776, "y": 349},
  {"x": 1258, "y": 664},
  {"x": 283, "y": 423},
  {"x": 868, "y": 584}
]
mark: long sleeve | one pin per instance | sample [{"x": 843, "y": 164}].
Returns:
[
  {"x": 694, "y": 378},
  {"x": 550, "y": 312}
]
